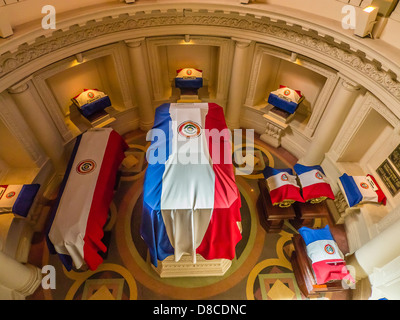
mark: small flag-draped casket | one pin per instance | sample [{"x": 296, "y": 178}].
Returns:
[
  {"x": 91, "y": 101},
  {"x": 285, "y": 98},
  {"x": 315, "y": 186},
  {"x": 282, "y": 186},
  {"x": 361, "y": 189},
  {"x": 191, "y": 203},
  {"x": 189, "y": 78},
  {"x": 326, "y": 258},
  {"x": 81, "y": 209},
  {"x": 17, "y": 199}
]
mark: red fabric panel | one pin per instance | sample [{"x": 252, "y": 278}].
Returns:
[
  {"x": 379, "y": 192},
  {"x": 326, "y": 271},
  {"x": 102, "y": 197},
  {"x": 286, "y": 192},
  {"x": 223, "y": 233},
  {"x": 317, "y": 190}
]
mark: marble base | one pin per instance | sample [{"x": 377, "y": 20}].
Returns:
[
  {"x": 185, "y": 267},
  {"x": 274, "y": 131}
]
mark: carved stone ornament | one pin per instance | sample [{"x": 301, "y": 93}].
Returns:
[{"x": 289, "y": 33}]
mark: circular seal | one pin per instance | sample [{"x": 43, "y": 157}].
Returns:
[
  {"x": 90, "y": 95},
  {"x": 364, "y": 185},
  {"x": 189, "y": 129},
  {"x": 10, "y": 195},
  {"x": 318, "y": 175},
  {"x": 86, "y": 166},
  {"x": 329, "y": 249},
  {"x": 188, "y": 72},
  {"x": 284, "y": 177},
  {"x": 286, "y": 92}
]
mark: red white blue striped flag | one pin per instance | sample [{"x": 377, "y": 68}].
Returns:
[
  {"x": 84, "y": 198},
  {"x": 191, "y": 201},
  {"x": 327, "y": 259}
]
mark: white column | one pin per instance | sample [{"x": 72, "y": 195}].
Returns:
[
  {"x": 141, "y": 83},
  {"x": 16, "y": 124},
  {"x": 40, "y": 123},
  {"x": 237, "y": 84},
  {"x": 338, "y": 107},
  {"x": 20, "y": 279},
  {"x": 378, "y": 251}
]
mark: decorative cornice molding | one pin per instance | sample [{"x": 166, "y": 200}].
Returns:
[{"x": 262, "y": 26}]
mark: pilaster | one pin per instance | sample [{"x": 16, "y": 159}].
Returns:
[
  {"x": 39, "y": 121},
  {"x": 141, "y": 82},
  {"x": 237, "y": 83}
]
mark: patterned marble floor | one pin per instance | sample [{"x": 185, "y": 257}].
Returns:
[{"x": 261, "y": 269}]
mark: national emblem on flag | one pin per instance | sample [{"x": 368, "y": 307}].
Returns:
[
  {"x": 189, "y": 129},
  {"x": 326, "y": 258}
]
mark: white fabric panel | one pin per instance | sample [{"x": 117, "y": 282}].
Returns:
[
  {"x": 189, "y": 73},
  {"x": 316, "y": 250},
  {"x": 287, "y": 94},
  {"x": 367, "y": 191},
  {"x": 280, "y": 180},
  {"x": 187, "y": 198},
  {"x": 310, "y": 177},
  {"x": 189, "y": 162},
  {"x": 69, "y": 225},
  {"x": 89, "y": 96},
  {"x": 186, "y": 229}
]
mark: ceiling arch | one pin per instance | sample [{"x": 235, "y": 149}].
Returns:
[{"x": 368, "y": 67}]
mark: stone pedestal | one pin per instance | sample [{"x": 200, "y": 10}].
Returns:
[
  {"x": 274, "y": 131},
  {"x": 185, "y": 267}
]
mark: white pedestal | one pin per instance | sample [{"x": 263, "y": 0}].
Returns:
[
  {"x": 185, "y": 267},
  {"x": 273, "y": 132}
]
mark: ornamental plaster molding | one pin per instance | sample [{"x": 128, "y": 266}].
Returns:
[{"x": 259, "y": 27}]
